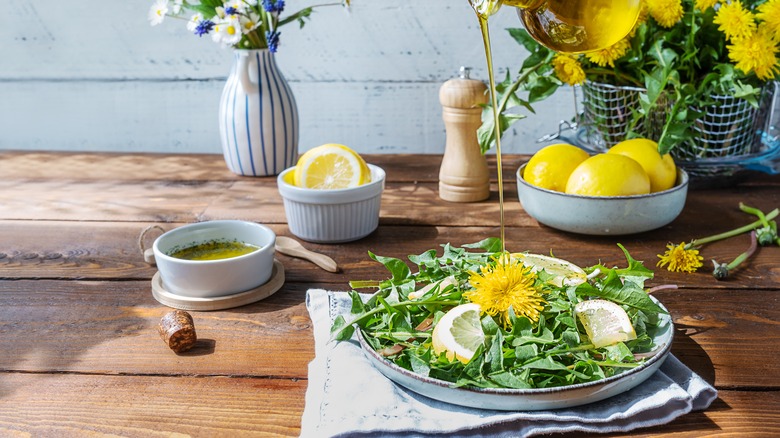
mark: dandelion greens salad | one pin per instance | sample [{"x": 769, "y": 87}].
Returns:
[{"x": 479, "y": 317}]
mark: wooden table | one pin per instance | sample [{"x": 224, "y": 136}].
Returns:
[{"x": 79, "y": 350}]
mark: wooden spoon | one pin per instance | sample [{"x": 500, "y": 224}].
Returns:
[{"x": 292, "y": 247}]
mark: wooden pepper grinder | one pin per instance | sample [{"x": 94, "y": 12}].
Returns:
[{"x": 463, "y": 176}]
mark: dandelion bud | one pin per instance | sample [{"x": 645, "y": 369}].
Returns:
[
  {"x": 766, "y": 236},
  {"x": 721, "y": 271}
]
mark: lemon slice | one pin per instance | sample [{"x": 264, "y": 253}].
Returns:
[
  {"x": 331, "y": 166},
  {"x": 459, "y": 333},
  {"x": 605, "y": 322},
  {"x": 564, "y": 273}
]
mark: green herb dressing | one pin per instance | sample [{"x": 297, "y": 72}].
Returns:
[{"x": 214, "y": 250}]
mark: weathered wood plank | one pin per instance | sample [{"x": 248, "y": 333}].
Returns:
[
  {"x": 259, "y": 200},
  {"x": 143, "y": 406},
  {"x": 724, "y": 418},
  {"x": 190, "y": 197},
  {"x": 101, "y": 250},
  {"x": 189, "y": 168},
  {"x": 63, "y": 405},
  {"x": 110, "y": 328}
]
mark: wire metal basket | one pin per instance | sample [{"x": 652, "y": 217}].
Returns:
[
  {"x": 607, "y": 113},
  {"x": 730, "y": 134}
]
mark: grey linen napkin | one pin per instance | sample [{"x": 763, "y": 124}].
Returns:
[{"x": 347, "y": 396}]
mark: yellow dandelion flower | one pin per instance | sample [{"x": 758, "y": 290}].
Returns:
[
  {"x": 608, "y": 56},
  {"x": 703, "y": 5},
  {"x": 643, "y": 14},
  {"x": 756, "y": 53},
  {"x": 666, "y": 12},
  {"x": 680, "y": 259},
  {"x": 507, "y": 283},
  {"x": 568, "y": 69},
  {"x": 735, "y": 21},
  {"x": 769, "y": 13}
]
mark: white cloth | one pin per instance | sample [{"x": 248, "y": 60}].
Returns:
[{"x": 347, "y": 396}]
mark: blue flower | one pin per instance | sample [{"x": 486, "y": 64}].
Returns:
[
  {"x": 231, "y": 10},
  {"x": 273, "y": 5},
  {"x": 273, "y": 40},
  {"x": 204, "y": 27}
]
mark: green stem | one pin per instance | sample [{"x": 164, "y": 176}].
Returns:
[
  {"x": 364, "y": 284},
  {"x": 744, "y": 256},
  {"x": 755, "y": 212},
  {"x": 752, "y": 226},
  {"x": 721, "y": 271},
  {"x": 255, "y": 39},
  {"x": 617, "y": 364},
  {"x": 399, "y": 334},
  {"x": 583, "y": 347},
  {"x": 524, "y": 74},
  {"x": 378, "y": 309}
]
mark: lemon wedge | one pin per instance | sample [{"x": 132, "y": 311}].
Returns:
[
  {"x": 564, "y": 273},
  {"x": 331, "y": 166},
  {"x": 605, "y": 322},
  {"x": 459, "y": 333}
]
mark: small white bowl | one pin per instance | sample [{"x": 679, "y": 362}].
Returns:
[
  {"x": 332, "y": 216},
  {"x": 214, "y": 278},
  {"x": 602, "y": 215}
]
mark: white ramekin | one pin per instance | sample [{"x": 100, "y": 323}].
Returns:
[
  {"x": 214, "y": 278},
  {"x": 332, "y": 216}
]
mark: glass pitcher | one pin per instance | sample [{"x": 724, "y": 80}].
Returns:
[{"x": 570, "y": 26}]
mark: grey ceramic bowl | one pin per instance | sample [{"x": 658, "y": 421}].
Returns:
[{"x": 598, "y": 215}]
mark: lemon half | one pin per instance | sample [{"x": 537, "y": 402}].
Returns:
[{"x": 331, "y": 166}]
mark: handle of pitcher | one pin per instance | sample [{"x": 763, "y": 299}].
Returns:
[{"x": 243, "y": 74}]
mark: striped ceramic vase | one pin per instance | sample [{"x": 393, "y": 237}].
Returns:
[{"x": 258, "y": 118}]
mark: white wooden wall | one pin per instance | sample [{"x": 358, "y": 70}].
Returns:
[{"x": 95, "y": 76}]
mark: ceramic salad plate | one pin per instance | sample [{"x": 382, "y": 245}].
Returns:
[{"x": 528, "y": 399}]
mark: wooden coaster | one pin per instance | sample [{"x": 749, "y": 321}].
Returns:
[{"x": 219, "y": 303}]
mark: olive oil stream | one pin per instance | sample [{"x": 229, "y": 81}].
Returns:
[{"x": 567, "y": 26}]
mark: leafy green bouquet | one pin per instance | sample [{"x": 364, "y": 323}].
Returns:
[
  {"x": 240, "y": 24},
  {"x": 532, "y": 338},
  {"x": 681, "y": 53}
]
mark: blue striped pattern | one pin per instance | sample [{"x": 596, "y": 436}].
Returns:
[{"x": 259, "y": 128}]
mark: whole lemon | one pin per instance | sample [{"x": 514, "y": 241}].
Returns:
[
  {"x": 608, "y": 175},
  {"x": 551, "y": 166},
  {"x": 660, "y": 168}
]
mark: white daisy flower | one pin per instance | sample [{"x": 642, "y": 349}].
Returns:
[
  {"x": 157, "y": 12},
  {"x": 249, "y": 22},
  {"x": 238, "y": 6},
  {"x": 192, "y": 24},
  {"x": 227, "y": 32},
  {"x": 216, "y": 33}
]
